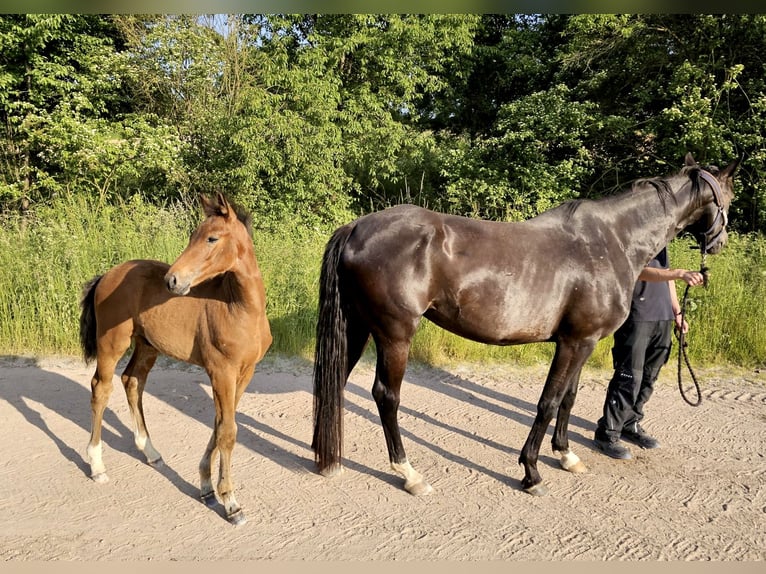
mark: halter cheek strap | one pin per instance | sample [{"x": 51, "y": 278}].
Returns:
[{"x": 721, "y": 214}]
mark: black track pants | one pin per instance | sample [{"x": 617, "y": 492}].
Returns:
[{"x": 640, "y": 350}]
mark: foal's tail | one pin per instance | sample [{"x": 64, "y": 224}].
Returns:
[
  {"x": 331, "y": 358},
  {"x": 88, "y": 320}
]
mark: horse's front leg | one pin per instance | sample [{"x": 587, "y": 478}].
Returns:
[
  {"x": 567, "y": 361},
  {"x": 568, "y": 460},
  {"x": 227, "y": 390}
]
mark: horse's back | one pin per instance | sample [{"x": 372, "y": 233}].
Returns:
[{"x": 529, "y": 276}]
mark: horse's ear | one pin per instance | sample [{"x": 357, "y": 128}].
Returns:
[
  {"x": 729, "y": 170},
  {"x": 689, "y": 160},
  {"x": 209, "y": 206},
  {"x": 224, "y": 207}
]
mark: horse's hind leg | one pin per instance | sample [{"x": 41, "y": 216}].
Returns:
[
  {"x": 567, "y": 362},
  {"x": 134, "y": 381},
  {"x": 569, "y": 460},
  {"x": 110, "y": 349},
  {"x": 391, "y": 364}
]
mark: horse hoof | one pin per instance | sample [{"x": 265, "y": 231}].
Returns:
[
  {"x": 578, "y": 468},
  {"x": 208, "y": 499},
  {"x": 570, "y": 462},
  {"x": 100, "y": 478},
  {"x": 332, "y": 471},
  {"x": 538, "y": 489},
  {"x": 158, "y": 464},
  {"x": 421, "y": 488},
  {"x": 237, "y": 518}
]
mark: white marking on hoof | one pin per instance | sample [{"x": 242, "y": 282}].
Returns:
[
  {"x": 332, "y": 471},
  {"x": 413, "y": 480},
  {"x": 237, "y": 518},
  {"x": 569, "y": 461},
  {"x": 100, "y": 478},
  {"x": 97, "y": 468}
]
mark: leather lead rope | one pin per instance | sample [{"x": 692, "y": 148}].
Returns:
[{"x": 682, "y": 344}]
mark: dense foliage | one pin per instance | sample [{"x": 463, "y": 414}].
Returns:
[{"x": 314, "y": 118}]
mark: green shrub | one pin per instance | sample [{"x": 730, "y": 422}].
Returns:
[{"x": 46, "y": 257}]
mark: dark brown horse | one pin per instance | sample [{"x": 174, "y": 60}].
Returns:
[
  {"x": 564, "y": 276},
  {"x": 208, "y": 308}
]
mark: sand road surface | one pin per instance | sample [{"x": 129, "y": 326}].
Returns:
[{"x": 701, "y": 496}]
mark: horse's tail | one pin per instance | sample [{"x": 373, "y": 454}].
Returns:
[
  {"x": 331, "y": 358},
  {"x": 88, "y": 320}
]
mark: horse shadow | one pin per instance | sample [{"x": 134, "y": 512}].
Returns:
[
  {"x": 71, "y": 401},
  {"x": 460, "y": 388}
]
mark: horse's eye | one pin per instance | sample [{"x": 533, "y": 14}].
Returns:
[{"x": 212, "y": 239}]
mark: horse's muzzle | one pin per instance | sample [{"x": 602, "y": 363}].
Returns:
[{"x": 176, "y": 286}]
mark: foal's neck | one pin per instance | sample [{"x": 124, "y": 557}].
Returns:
[{"x": 244, "y": 284}]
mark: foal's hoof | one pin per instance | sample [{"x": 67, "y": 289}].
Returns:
[
  {"x": 237, "y": 518},
  {"x": 208, "y": 499},
  {"x": 332, "y": 471},
  {"x": 421, "y": 488},
  {"x": 538, "y": 489},
  {"x": 100, "y": 478},
  {"x": 158, "y": 463}
]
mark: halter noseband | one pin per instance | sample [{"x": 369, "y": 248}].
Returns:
[{"x": 721, "y": 214}]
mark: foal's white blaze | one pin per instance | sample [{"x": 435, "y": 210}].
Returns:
[
  {"x": 413, "y": 480},
  {"x": 571, "y": 462}
]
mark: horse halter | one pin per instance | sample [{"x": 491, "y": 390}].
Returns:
[{"x": 712, "y": 237}]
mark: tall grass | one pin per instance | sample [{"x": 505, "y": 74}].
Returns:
[{"x": 47, "y": 257}]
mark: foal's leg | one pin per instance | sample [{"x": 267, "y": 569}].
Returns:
[
  {"x": 227, "y": 390},
  {"x": 134, "y": 381},
  {"x": 569, "y": 358},
  {"x": 569, "y": 460},
  {"x": 109, "y": 352},
  {"x": 391, "y": 364}
]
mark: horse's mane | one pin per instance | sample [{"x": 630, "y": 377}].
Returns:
[{"x": 662, "y": 184}]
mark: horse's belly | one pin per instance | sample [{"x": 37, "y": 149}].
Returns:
[{"x": 493, "y": 326}]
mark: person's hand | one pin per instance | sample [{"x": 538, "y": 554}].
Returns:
[
  {"x": 693, "y": 278},
  {"x": 681, "y": 324}
]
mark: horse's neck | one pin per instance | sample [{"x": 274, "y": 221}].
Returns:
[
  {"x": 643, "y": 224},
  {"x": 245, "y": 284}
]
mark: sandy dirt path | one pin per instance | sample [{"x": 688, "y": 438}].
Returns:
[{"x": 701, "y": 496}]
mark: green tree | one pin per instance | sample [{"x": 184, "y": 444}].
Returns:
[
  {"x": 56, "y": 71},
  {"x": 670, "y": 83}
]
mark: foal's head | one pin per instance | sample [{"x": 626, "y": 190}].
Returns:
[
  {"x": 215, "y": 247},
  {"x": 709, "y": 227}
]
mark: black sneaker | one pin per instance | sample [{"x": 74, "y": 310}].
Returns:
[
  {"x": 638, "y": 436},
  {"x": 612, "y": 448}
]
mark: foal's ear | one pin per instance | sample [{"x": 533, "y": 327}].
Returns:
[
  {"x": 689, "y": 160},
  {"x": 217, "y": 206},
  {"x": 224, "y": 208}
]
